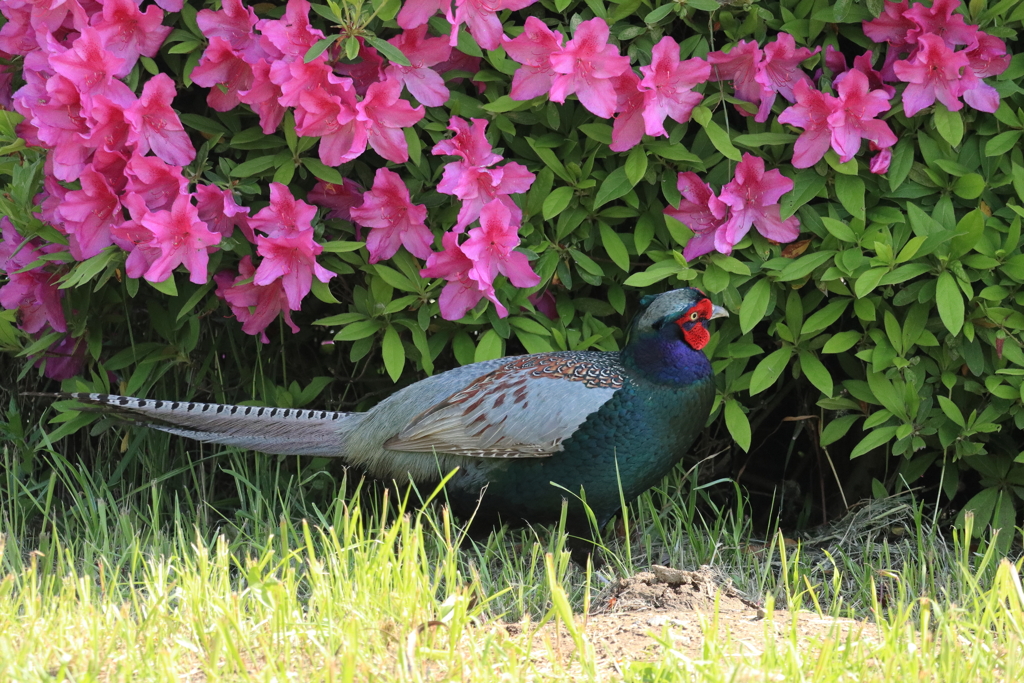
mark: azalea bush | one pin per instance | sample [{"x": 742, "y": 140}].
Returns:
[{"x": 414, "y": 186}]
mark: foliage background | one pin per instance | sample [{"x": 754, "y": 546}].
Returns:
[{"x": 882, "y": 351}]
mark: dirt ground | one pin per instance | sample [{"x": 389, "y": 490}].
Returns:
[{"x": 637, "y": 618}]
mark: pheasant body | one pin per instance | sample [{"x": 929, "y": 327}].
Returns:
[{"x": 525, "y": 433}]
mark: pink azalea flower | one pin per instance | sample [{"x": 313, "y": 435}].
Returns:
[
  {"x": 533, "y": 49},
  {"x": 460, "y": 61},
  {"x": 668, "y": 86},
  {"x": 811, "y": 112},
  {"x": 33, "y": 293},
  {"x": 586, "y": 66},
  {"x": 491, "y": 248},
  {"x": 225, "y": 72},
  {"x": 112, "y": 165},
  {"x": 861, "y": 63},
  {"x": 469, "y": 142},
  {"x": 285, "y": 215},
  {"x": 423, "y": 83},
  {"x": 880, "y": 162},
  {"x": 741, "y": 66},
  {"x": 135, "y": 239},
  {"x": 699, "y": 210},
  {"x": 780, "y": 71},
  {"x": 263, "y": 96},
  {"x": 182, "y": 238},
  {"x": 290, "y": 258},
  {"x": 65, "y": 359},
  {"x": 255, "y": 307},
  {"x": 393, "y": 219},
  {"x": 171, "y": 5},
  {"x": 545, "y": 304},
  {"x": 158, "y": 183},
  {"x": 155, "y": 126},
  {"x": 940, "y": 20},
  {"x": 332, "y": 118},
  {"x": 753, "y": 197},
  {"x": 418, "y": 12},
  {"x": 933, "y": 73},
  {"x": 462, "y": 292},
  {"x": 629, "y": 126},
  {"x": 299, "y": 78},
  {"x": 367, "y": 71},
  {"x": 477, "y": 186},
  {"x": 89, "y": 214},
  {"x": 89, "y": 65},
  {"x": 988, "y": 56},
  {"x": 854, "y": 116},
  {"x": 481, "y": 18},
  {"x": 219, "y": 210},
  {"x": 292, "y": 34},
  {"x": 385, "y": 115},
  {"x": 234, "y": 22},
  {"x": 338, "y": 199},
  {"x": 107, "y": 126},
  {"x": 127, "y": 32},
  {"x": 891, "y": 27}
]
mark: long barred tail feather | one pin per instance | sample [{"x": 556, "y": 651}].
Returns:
[{"x": 281, "y": 431}]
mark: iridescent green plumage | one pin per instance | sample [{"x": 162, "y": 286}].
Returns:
[{"x": 524, "y": 433}]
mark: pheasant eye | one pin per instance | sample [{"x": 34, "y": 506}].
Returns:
[{"x": 694, "y": 315}]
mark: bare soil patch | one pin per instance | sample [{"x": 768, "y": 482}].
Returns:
[{"x": 636, "y": 619}]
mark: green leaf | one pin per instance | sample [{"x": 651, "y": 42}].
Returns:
[
  {"x": 850, "y": 192},
  {"x": 837, "y": 429},
  {"x": 614, "y": 186},
  {"x": 980, "y": 506},
  {"x": 323, "y": 171},
  {"x": 318, "y": 48},
  {"x": 951, "y": 411},
  {"x": 556, "y": 202},
  {"x": 806, "y": 186},
  {"x": 393, "y": 353},
  {"x": 358, "y": 330},
  {"x": 950, "y": 303},
  {"x": 949, "y": 124},
  {"x": 840, "y": 230},
  {"x": 824, "y": 317},
  {"x": 505, "y": 104},
  {"x": 600, "y": 132},
  {"x": 253, "y": 166},
  {"x": 805, "y": 265},
  {"x": 762, "y": 139},
  {"x": 755, "y": 304},
  {"x": 876, "y": 438},
  {"x": 737, "y": 423},
  {"x": 615, "y": 247},
  {"x": 166, "y": 287},
  {"x": 636, "y": 165},
  {"x": 489, "y": 347},
  {"x": 769, "y": 369},
  {"x": 842, "y": 341},
  {"x": 969, "y": 186},
  {"x": 719, "y": 138},
  {"x": 867, "y": 281},
  {"x": 1002, "y": 143},
  {"x": 902, "y": 162},
  {"x": 388, "y": 50},
  {"x": 816, "y": 372}
]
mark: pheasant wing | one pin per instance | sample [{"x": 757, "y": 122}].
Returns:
[{"x": 525, "y": 408}]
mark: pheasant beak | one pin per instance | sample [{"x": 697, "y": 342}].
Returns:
[{"x": 718, "y": 312}]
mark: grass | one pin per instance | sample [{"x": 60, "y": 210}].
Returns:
[{"x": 97, "y": 584}]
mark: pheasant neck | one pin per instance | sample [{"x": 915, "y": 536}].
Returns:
[{"x": 666, "y": 360}]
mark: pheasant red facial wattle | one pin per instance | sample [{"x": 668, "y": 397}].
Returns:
[
  {"x": 524, "y": 435},
  {"x": 693, "y": 324}
]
